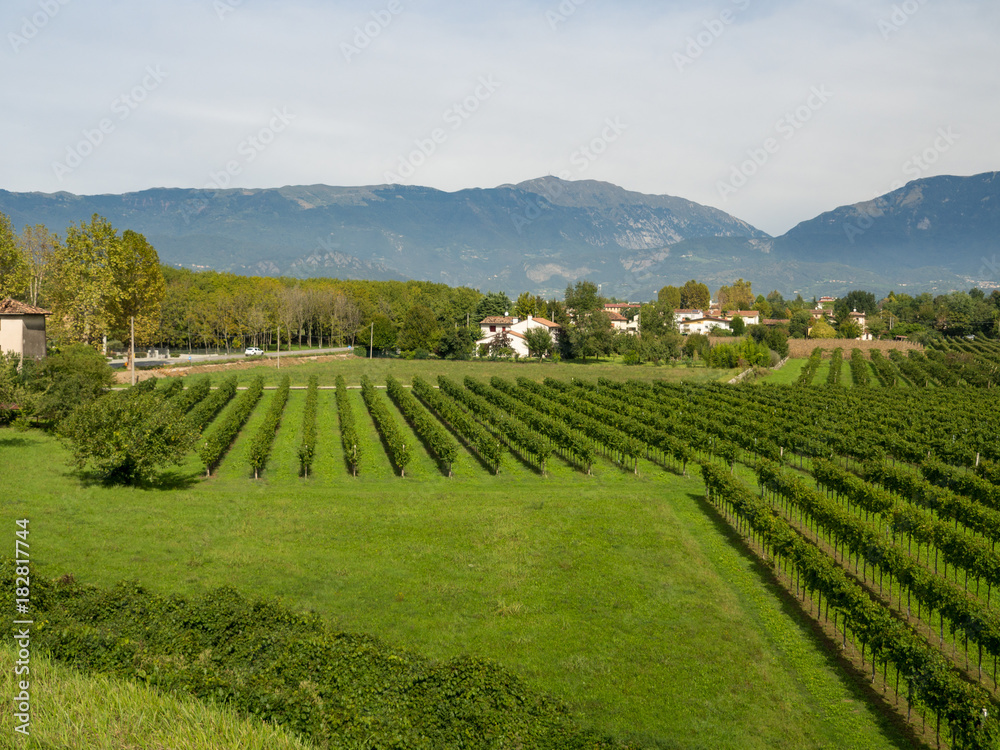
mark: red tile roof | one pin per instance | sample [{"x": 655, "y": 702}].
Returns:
[
  {"x": 545, "y": 322},
  {"x": 496, "y": 320},
  {"x": 615, "y": 317},
  {"x": 13, "y": 307}
]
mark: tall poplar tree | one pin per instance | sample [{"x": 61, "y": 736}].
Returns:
[{"x": 13, "y": 268}]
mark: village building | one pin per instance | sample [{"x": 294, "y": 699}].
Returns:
[
  {"x": 704, "y": 325},
  {"x": 22, "y": 329},
  {"x": 498, "y": 325}
]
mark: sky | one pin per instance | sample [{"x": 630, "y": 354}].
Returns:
[{"x": 771, "y": 110}]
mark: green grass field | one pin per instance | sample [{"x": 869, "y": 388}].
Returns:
[
  {"x": 352, "y": 368},
  {"x": 617, "y": 593}
]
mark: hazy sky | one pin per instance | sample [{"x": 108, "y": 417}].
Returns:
[{"x": 773, "y": 111}]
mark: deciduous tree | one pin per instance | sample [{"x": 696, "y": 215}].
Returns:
[{"x": 13, "y": 267}]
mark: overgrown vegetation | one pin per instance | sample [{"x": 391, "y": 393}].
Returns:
[{"x": 262, "y": 660}]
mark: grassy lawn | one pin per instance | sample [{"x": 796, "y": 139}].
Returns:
[
  {"x": 617, "y": 593},
  {"x": 788, "y": 374},
  {"x": 70, "y": 709}
]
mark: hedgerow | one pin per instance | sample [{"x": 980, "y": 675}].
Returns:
[
  {"x": 307, "y": 448},
  {"x": 172, "y": 387},
  {"x": 212, "y": 404},
  {"x": 438, "y": 441},
  {"x": 399, "y": 451},
  {"x": 348, "y": 432},
  {"x": 187, "y": 399},
  {"x": 217, "y": 442},
  {"x": 262, "y": 660},
  {"x": 490, "y": 449},
  {"x": 263, "y": 439}
]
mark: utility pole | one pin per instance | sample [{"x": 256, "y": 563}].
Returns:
[
  {"x": 279, "y": 346},
  {"x": 131, "y": 345},
  {"x": 371, "y": 341}
]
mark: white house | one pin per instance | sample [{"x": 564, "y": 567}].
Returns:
[
  {"x": 682, "y": 314},
  {"x": 750, "y": 317},
  {"x": 22, "y": 329},
  {"x": 703, "y": 325},
  {"x": 515, "y": 329}
]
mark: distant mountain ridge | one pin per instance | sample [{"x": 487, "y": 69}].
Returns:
[{"x": 541, "y": 234}]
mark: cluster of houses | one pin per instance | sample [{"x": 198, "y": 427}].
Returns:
[{"x": 688, "y": 321}]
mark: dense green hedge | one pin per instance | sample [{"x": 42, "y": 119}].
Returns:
[
  {"x": 348, "y": 430},
  {"x": 337, "y": 690},
  {"x": 190, "y": 397},
  {"x": 307, "y": 448},
  {"x": 143, "y": 386},
  {"x": 490, "y": 449},
  {"x": 399, "y": 451},
  {"x": 260, "y": 446},
  {"x": 437, "y": 439},
  {"x": 217, "y": 442},
  {"x": 171, "y": 387},
  {"x": 212, "y": 404}
]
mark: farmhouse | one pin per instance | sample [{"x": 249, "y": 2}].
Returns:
[
  {"x": 22, "y": 329},
  {"x": 703, "y": 325},
  {"x": 495, "y": 327},
  {"x": 682, "y": 314},
  {"x": 750, "y": 317}
]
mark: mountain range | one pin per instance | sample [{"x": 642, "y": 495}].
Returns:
[{"x": 933, "y": 234}]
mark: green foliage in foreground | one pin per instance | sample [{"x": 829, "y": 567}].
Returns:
[
  {"x": 263, "y": 660},
  {"x": 125, "y": 437},
  {"x": 98, "y": 712}
]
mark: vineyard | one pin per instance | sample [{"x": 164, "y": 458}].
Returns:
[
  {"x": 953, "y": 362},
  {"x": 879, "y": 506}
]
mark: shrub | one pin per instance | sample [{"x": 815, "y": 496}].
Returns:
[{"x": 126, "y": 438}]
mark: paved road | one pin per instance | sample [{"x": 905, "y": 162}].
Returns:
[{"x": 143, "y": 361}]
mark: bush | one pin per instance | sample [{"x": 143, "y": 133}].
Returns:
[
  {"x": 125, "y": 438},
  {"x": 67, "y": 379},
  {"x": 263, "y": 660}
]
